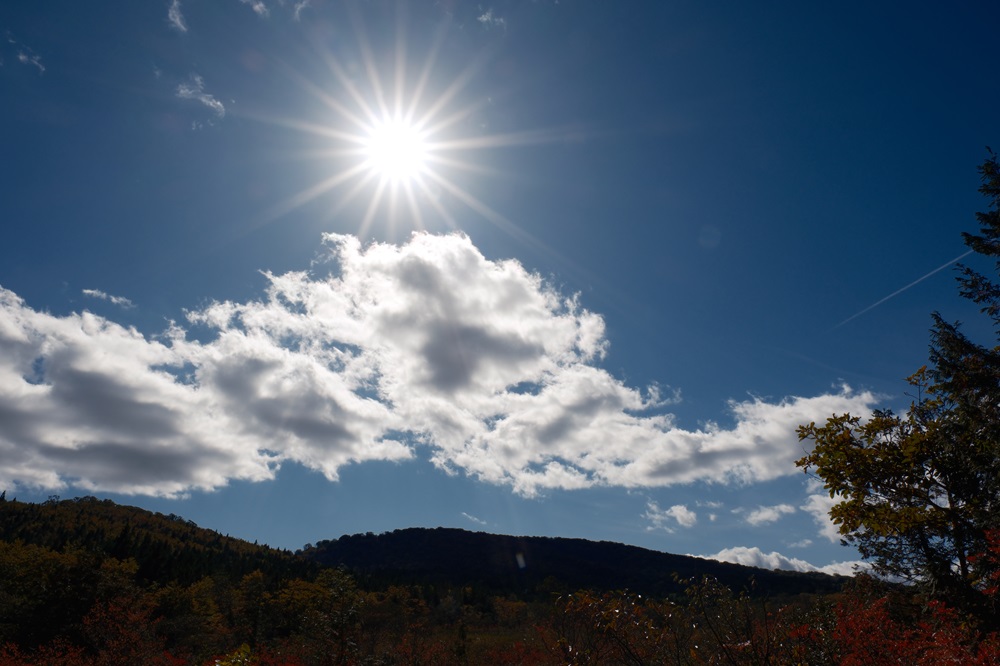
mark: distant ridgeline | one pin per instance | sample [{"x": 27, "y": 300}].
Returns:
[
  {"x": 531, "y": 566},
  {"x": 168, "y": 548},
  {"x": 118, "y": 584}
]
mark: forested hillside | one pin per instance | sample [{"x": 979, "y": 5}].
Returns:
[
  {"x": 166, "y": 548},
  {"x": 91, "y": 583},
  {"x": 532, "y": 567}
]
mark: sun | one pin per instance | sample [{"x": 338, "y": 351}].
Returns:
[
  {"x": 396, "y": 151},
  {"x": 398, "y": 146}
]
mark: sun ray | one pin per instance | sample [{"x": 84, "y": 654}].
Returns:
[
  {"x": 457, "y": 164},
  {"x": 373, "y": 206},
  {"x": 400, "y": 79},
  {"x": 418, "y": 219},
  {"x": 317, "y": 190},
  {"x": 442, "y": 102},
  {"x": 425, "y": 76},
  {"x": 368, "y": 60},
  {"x": 398, "y": 133},
  {"x": 493, "y": 216},
  {"x": 349, "y": 87}
]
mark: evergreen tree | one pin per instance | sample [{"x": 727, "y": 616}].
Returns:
[{"x": 919, "y": 495}]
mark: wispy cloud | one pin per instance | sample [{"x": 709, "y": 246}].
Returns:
[
  {"x": 195, "y": 89},
  {"x": 258, "y": 7},
  {"x": 175, "y": 17},
  {"x": 385, "y": 348},
  {"x": 769, "y": 514},
  {"x": 24, "y": 54},
  {"x": 477, "y": 521},
  {"x": 31, "y": 59},
  {"x": 491, "y": 20},
  {"x": 298, "y": 8},
  {"x": 117, "y": 300},
  {"x": 666, "y": 519}
]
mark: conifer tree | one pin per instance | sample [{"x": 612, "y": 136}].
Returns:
[{"x": 919, "y": 495}]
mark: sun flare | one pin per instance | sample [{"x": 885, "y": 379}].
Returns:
[
  {"x": 408, "y": 142},
  {"x": 396, "y": 151}
]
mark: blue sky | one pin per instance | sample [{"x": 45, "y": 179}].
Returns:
[{"x": 608, "y": 258}]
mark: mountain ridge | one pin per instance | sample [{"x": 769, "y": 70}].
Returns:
[
  {"x": 453, "y": 556},
  {"x": 168, "y": 548}
]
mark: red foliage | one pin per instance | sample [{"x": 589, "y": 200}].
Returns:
[{"x": 866, "y": 634}]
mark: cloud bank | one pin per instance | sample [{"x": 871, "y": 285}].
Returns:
[
  {"x": 376, "y": 353},
  {"x": 755, "y": 557}
]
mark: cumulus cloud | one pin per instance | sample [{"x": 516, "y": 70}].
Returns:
[
  {"x": 175, "y": 17},
  {"x": 117, "y": 300},
  {"x": 379, "y": 352},
  {"x": 755, "y": 557},
  {"x": 663, "y": 519},
  {"x": 195, "y": 89},
  {"x": 763, "y": 515},
  {"x": 259, "y": 8}
]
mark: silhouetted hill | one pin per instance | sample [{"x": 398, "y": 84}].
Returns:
[
  {"x": 167, "y": 548},
  {"x": 537, "y": 565}
]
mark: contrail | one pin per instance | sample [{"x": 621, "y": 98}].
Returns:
[{"x": 900, "y": 291}]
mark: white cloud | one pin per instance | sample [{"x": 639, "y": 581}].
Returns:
[
  {"x": 849, "y": 568},
  {"x": 491, "y": 20},
  {"x": 768, "y": 514},
  {"x": 24, "y": 54},
  {"x": 195, "y": 89},
  {"x": 299, "y": 6},
  {"x": 31, "y": 59},
  {"x": 259, "y": 7},
  {"x": 663, "y": 519},
  {"x": 712, "y": 517},
  {"x": 175, "y": 17},
  {"x": 477, "y": 521},
  {"x": 818, "y": 505},
  {"x": 117, "y": 300},
  {"x": 804, "y": 543},
  {"x": 755, "y": 557},
  {"x": 386, "y": 349}
]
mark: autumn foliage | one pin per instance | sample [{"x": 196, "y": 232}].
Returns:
[{"x": 330, "y": 619}]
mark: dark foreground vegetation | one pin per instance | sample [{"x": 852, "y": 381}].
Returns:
[{"x": 88, "y": 582}]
